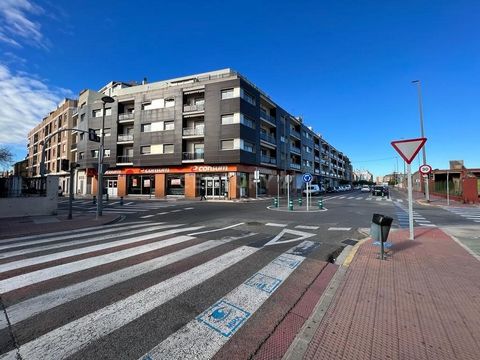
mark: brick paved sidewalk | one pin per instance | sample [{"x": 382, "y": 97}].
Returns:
[
  {"x": 422, "y": 303},
  {"x": 33, "y": 225}
]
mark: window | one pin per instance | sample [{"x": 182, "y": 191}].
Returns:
[
  {"x": 282, "y": 138},
  {"x": 81, "y": 136},
  {"x": 82, "y": 117},
  {"x": 227, "y": 119},
  {"x": 227, "y": 94},
  {"x": 227, "y": 144},
  {"x": 97, "y": 113},
  {"x": 169, "y": 103},
  {"x": 308, "y": 149},
  {"x": 248, "y": 122},
  {"x": 248, "y": 146},
  {"x": 168, "y": 148},
  {"x": 145, "y": 150},
  {"x": 169, "y": 125},
  {"x": 106, "y": 153},
  {"x": 108, "y": 112},
  {"x": 64, "y": 148},
  {"x": 248, "y": 98},
  {"x": 94, "y": 154},
  {"x": 146, "y": 127},
  {"x": 81, "y": 155}
]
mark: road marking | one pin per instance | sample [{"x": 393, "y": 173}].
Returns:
[
  {"x": 34, "y": 277},
  {"x": 276, "y": 224},
  {"x": 189, "y": 208},
  {"x": 76, "y": 335},
  {"x": 351, "y": 197},
  {"x": 129, "y": 203},
  {"x": 369, "y": 198},
  {"x": 163, "y": 213},
  {"x": 431, "y": 225},
  {"x": 173, "y": 211},
  {"x": 31, "y": 307},
  {"x": 302, "y": 236},
  {"x": 74, "y": 252},
  {"x": 307, "y": 227},
  {"x": 146, "y": 216},
  {"x": 210, "y": 231},
  {"x": 399, "y": 200},
  {"x": 339, "y": 228},
  {"x": 342, "y": 197},
  {"x": 202, "y": 337},
  {"x": 422, "y": 221}
]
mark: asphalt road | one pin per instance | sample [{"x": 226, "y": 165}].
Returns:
[{"x": 178, "y": 279}]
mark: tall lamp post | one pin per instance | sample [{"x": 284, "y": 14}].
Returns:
[
  {"x": 420, "y": 109},
  {"x": 105, "y": 99}
]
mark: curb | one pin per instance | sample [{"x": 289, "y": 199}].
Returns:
[{"x": 299, "y": 346}]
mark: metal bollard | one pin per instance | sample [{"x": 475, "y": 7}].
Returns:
[
  {"x": 299, "y": 201},
  {"x": 94, "y": 200},
  {"x": 320, "y": 204},
  {"x": 275, "y": 202},
  {"x": 121, "y": 200},
  {"x": 106, "y": 196},
  {"x": 290, "y": 205}
]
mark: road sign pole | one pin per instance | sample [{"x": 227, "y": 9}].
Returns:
[
  {"x": 278, "y": 190},
  {"x": 448, "y": 191},
  {"x": 410, "y": 202},
  {"x": 308, "y": 188},
  {"x": 288, "y": 189}
]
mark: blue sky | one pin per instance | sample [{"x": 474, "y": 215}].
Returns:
[{"x": 345, "y": 66}]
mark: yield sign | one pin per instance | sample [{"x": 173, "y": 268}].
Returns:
[{"x": 408, "y": 149}]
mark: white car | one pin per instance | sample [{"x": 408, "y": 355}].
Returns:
[
  {"x": 365, "y": 188},
  {"x": 314, "y": 190}
]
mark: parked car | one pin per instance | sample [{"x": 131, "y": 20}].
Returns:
[
  {"x": 314, "y": 190},
  {"x": 348, "y": 187},
  {"x": 365, "y": 188},
  {"x": 380, "y": 190}
]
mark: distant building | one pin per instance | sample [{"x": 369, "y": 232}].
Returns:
[
  {"x": 363, "y": 175},
  {"x": 20, "y": 168}
]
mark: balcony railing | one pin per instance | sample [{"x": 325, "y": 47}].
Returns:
[
  {"x": 295, "y": 149},
  {"x": 199, "y": 131},
  {"x": 268, "y": 138},
  {"x": 268, "y": 159},
  {"x": 126, "y": 116},
  {"x": 267, "y": 117},
  {"x": 189, "y": 108},
  {"x": 295, "y": 133},
  {"x": 193, "y": 155},
  {"x": 73, "y": 146},
  {"x": 124, "y": 137},
  {"x": 295, "y": 166},
  {"x": 124, "y": 159}
]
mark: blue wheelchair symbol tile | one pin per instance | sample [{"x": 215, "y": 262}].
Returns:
[
  {"x": 224, "y": 318},
  {"x": 286, "y": 261},
  {"x": 385, "y": 244},
  {"x": 263, "y": 282}
]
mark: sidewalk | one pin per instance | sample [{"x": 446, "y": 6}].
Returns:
[
  {"x": 435, "y": 200},
  {"x": 33, "y": 225},
  {"x": 422, "y": 303}
]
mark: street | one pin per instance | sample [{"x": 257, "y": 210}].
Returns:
[{"x": 182, "y": 279}]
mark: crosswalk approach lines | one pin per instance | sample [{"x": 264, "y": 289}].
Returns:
[{"x": 472, "y": 214}]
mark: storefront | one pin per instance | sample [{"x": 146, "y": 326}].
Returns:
[{"x": 140, "y": 184}]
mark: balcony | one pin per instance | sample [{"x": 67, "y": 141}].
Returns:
[
  {"x": 295, "y": 150},
  {"x": 268, "y": 160},
  {"x": 194, "y": 132},
  {"x": 73, "y": 146},
  {"x": 268, "y": 138},
  {"x": 268, "y": 118},
  {"x": 125, "y": 138},
  {"x": 295, "y": 166},
  {"x": 295, "y": 133},
  {"x": 193, "y": 156},
  {"x": 126, "y": 117},
  {"x": 317, "y": 158},
  {"x": 192, "y": 108},
  {"x": 125, "y": 160}
]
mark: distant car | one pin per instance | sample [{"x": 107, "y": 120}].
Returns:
[
  {"x": 348, "y": 187},
  {"x": 314, "y": 190},
  {"x": 380, "y": 190},
  {"x": 365, "y": 188}
]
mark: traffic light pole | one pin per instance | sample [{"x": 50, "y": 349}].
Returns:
[{"x": 70, "y": 195}]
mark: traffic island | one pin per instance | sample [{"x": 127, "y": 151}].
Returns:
[{"x": 296, "y": 209}]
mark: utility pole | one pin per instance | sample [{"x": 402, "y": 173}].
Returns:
[{"x": 420, "y": 109}]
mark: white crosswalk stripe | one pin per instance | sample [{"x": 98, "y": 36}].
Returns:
[{"x": 469, "y": 213}]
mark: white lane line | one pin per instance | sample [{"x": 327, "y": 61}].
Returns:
[
  {"x": 276, "y": 224},
  {"x": 378, "y": 199},
  {"x": 16, "y": 245},
  {"x": 31, "y": 307},
  {"x": 359, "y": 198},
  {"x": 178, "y": 210},
  {"x": 34, "y": 277},
  {"x": 76, "y": 335},
  {"x": 202, "y": 337},
  {"x": 422, "y": 221},
  {"x": 307, "y": 227},
  {"x": 70, "y": 232},
  {"x": 351, "y": 197},
  {"x": 146, "y": 216},
  {"x": 214, "y": 230},
  {"x": 339, "y": 228},
  {"x": 342, "y": 197},
  {"x": 431, "y": 225},
  {"x": 129, "y": 203},
  {"x": 163, "y": 213},
  {"x": 59, "y": 246},
  {"x": 67, "y": 253},
  {"x": 189, "y": 208},
  {"x": 369, "y": 198}
]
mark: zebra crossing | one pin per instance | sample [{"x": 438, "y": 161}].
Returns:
[
  {"x": 401, "y": 213},
  {"x": 85, "y": 293},
  {"x": 365, "y": 198},
  {"x": 469, "y": 213}
]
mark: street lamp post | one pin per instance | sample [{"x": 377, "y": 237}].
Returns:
[
  {"x": 420, "y": 109},
  {"x": 105, "y": 99}
]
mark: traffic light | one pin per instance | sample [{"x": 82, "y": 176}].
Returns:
[
  {"x": 65, "y": 165},
  {"x": 92, "y": 135}
]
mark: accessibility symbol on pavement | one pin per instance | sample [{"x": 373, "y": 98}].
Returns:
[{"x": 224, "y": 317}]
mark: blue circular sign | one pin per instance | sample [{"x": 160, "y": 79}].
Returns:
[{"x": 307, "y": 177}]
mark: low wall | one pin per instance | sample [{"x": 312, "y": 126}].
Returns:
[{"x": 32, "y": 206}]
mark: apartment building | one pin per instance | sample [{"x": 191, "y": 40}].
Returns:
[
  {"x": 59, "y": 146},
  {"x": 211, "y": 130}
]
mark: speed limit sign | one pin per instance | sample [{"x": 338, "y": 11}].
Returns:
[{"x": 425, "y": 169}]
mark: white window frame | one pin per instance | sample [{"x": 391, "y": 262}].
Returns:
[
  {"x": 144, "y": 148},
  {"x": 222, "y": 142},
  {"x": 227, "y": 93}
]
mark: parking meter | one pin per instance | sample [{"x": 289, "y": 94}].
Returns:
[{"x": 379, "y": 230}]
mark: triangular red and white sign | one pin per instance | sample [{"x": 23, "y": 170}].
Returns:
[{"x": 408, "y": 149}]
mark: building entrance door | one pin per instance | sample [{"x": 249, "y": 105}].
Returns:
[
  {"x": 215, "y": 186},
  {"x": 112, "y": 189}
]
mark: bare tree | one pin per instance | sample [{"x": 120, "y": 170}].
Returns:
[{"x": 6, "y": 156}]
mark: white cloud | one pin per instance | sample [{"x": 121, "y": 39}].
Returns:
[
  {"x": 16, "y": 27},
  {"x": 24, "y": 101}
]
